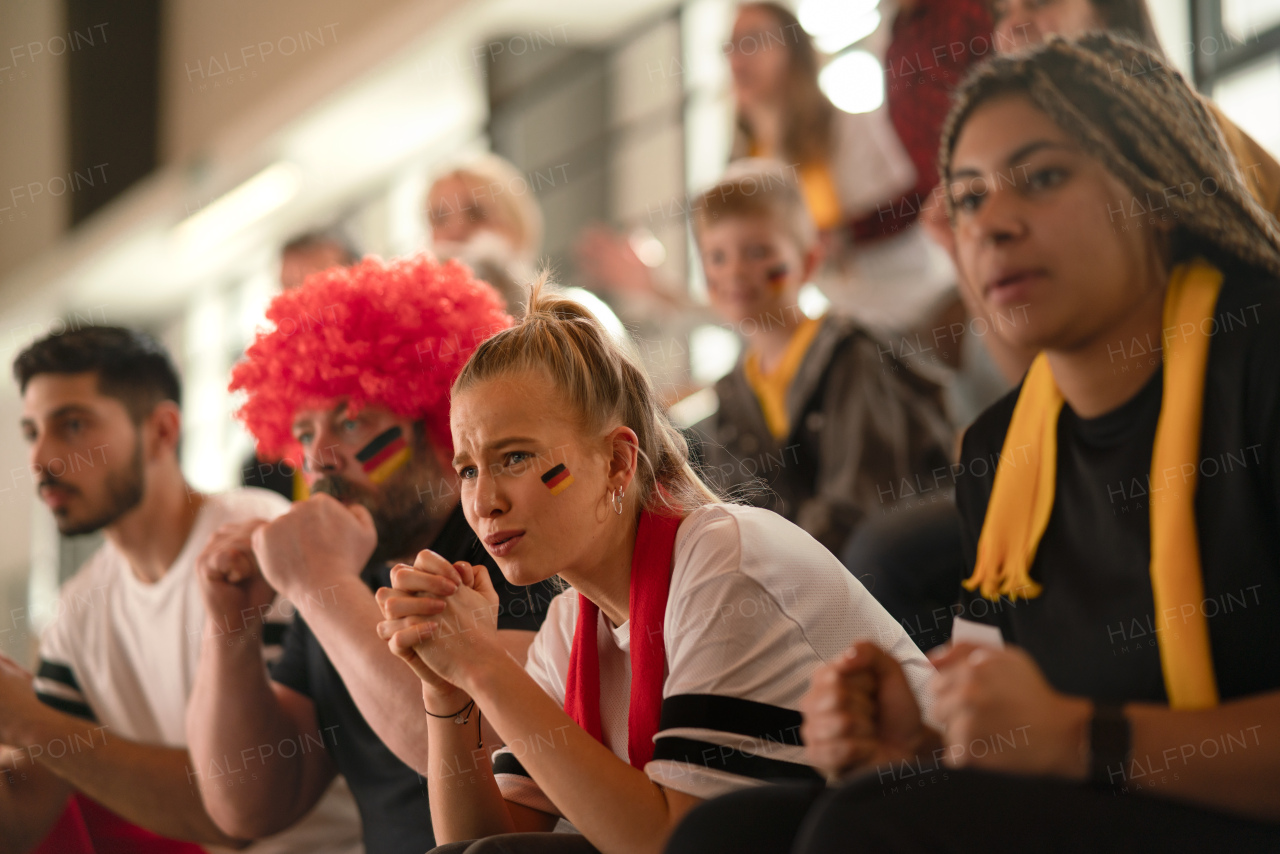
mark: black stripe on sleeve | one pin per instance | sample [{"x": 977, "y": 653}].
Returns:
[
  {"x": 273, "y": 633},
  {"x": 729, "y": 759},
  {"x": 773, "y": 724},
  {"x": 58, "y": 673},
  {"x": 506, "y": 763},
  {"x": 70, "y": 707}
]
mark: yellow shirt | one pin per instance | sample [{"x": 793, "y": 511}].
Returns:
[
  {"x": 771, "y": 388},
  {"x": 818, "y": 188}
]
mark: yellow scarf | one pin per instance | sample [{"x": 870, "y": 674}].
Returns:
[
  {"x": 817, "y": 185},
  {"x": 771, "y": 388},
  {"x": 1022, "y": 494}
]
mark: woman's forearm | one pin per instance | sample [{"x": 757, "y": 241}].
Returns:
[
  {"x": 613, "y": 804},
  {"x": 1225, "y": 758},
  {"x": 464, "y": 796},
  {"x": 345, "y": 620}
]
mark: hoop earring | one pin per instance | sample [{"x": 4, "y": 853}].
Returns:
[{"x": 618, "y": 495}]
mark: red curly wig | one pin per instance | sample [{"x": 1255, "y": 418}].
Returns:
[{"x": 388, "y": 333}]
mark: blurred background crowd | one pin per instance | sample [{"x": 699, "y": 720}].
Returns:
[{"x": 173, "y": 164}]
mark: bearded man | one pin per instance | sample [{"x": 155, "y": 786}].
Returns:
[{"x": 353, "y": 382}]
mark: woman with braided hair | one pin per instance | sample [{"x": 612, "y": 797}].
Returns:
[
  {"x": 1027, "y": 22},
  {"x": 1121, "y": 507},
  {"x": 1022, "y": 23}
]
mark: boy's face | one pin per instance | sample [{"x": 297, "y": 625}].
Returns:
[{"x": 753, "y": 267}]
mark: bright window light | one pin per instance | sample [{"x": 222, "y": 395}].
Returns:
[
  {"x": 713, "y": 351},
  {"x": 1245, "y": 20},
  {"x": 854, "y": 82},
  {"x": 836, "y": 24},
  {"x": 813, "y": 302},
  {"x": 648, "y": 248},
  {"x": 601, "y": 311},
  {"x": 1248, "y": 97},
  {"x": 248, "y": 203}
]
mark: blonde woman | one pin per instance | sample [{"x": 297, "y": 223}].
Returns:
[{"x": 672, "y": 669}]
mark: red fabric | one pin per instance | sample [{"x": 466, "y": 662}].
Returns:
[
  {"x": 69, "y": 835},
  {"x": 87, "y": 827},
  {"x": 392, "y": 333},
  {"x": 932, "y": 47},
  {"x": 647, "y": 601}
]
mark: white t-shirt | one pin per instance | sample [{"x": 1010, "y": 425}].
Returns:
[
  {"x": 756, "y": 605},
  {"x": 124, "y": 653}
]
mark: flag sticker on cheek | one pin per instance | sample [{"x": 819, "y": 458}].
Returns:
[
  {"x": 384, "y": 455},
  {"x": 558, "y": 479},
  {"x": 777, "y": 277}
]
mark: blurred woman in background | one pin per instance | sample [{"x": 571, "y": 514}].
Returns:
[{"x": 483, "y": 213}]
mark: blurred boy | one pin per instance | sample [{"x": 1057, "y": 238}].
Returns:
[{"x": 817, "y": 421}]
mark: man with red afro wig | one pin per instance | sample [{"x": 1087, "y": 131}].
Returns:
[{"x": 353, "y": 381}]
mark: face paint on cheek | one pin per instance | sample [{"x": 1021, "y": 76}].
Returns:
[
  {"x": 777, "y": 277},
  {"x": 387, "y": 453},
  {"x": 558, "y": 479}
]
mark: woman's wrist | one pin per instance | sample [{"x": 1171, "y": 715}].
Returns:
[
  {"x": 444, "y": 703},
  {"x": 1076, "y": 755}
]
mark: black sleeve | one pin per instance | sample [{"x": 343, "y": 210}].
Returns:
[
  {"x": 291, "y": 669},
  {"x": 521, "y": 607},
  {"x": 277, "y": 477}
]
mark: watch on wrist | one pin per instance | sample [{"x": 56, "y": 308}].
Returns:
[{"x": 1110, "y": 742}]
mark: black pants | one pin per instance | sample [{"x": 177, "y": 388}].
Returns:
[
  {"x": 522, "y": 843},
  {"x": 959, "y": 812}
]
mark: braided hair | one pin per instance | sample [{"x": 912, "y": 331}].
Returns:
[{"x": 1127, "y": 108}]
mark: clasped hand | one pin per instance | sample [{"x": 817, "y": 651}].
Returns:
[
  {"x": 996, "y": 710},
  {"x": 440, "y": 619}
]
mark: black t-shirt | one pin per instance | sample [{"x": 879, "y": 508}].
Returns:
[
  {"x": 1092, "y": 629},
  {"x": 391, "y": 796}
]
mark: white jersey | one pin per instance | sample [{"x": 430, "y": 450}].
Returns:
[
  {"x": 124, "y": 653},
  {"x": 756, "y": 605}
]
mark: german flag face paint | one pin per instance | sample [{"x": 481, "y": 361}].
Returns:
[
  {"x": 382, "y": 457},
  {"x": 558, "y": 479},
  {"x": 777, "y": 277}
]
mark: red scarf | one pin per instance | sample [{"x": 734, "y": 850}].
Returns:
[{"x": 650, "y": 584}]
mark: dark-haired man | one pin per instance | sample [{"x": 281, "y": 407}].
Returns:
[{"x": 106, "y": 714}]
